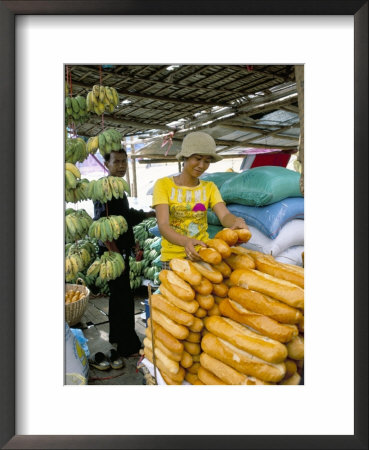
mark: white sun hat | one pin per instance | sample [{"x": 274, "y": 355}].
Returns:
[{"x": 198, "y": 143}]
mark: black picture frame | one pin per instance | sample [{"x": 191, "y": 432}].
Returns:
[{"x": 8, "y": 283}]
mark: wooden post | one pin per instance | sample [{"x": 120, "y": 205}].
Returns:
[
  {"x": 134, "y": 186},
  {"x": 299, "y": 75}
]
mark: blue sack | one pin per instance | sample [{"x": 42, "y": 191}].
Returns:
[
  {"x": 268, "y": 219},
  {"x": 261, "y": 186}
]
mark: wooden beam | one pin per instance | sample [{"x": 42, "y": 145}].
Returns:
[{"x": 128, "y": 93}]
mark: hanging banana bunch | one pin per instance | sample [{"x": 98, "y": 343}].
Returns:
[{"x": 102, "y": 99}]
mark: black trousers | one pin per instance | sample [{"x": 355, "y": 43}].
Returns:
[{"x": 121, "y": 315}]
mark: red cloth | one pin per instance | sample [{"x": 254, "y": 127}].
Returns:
[{"x": 277, "y": 159}]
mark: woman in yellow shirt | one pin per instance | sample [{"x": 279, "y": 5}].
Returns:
[{"x": 181, "y": 202}]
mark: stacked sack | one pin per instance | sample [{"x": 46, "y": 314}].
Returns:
[
  {"x": 270, "y": 201},
  {"x": 236, "y": 317}
]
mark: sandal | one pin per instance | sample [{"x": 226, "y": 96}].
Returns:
[
  {"x": 99, "y": 361},
  {"x": 115, "y": 360}
]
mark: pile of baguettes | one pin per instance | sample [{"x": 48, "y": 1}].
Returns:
[{"x": 235, "y": 318}]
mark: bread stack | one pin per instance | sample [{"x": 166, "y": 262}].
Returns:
[{"x": 237, "y": 317}]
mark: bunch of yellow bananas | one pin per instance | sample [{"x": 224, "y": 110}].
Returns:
[
  {"x": 75, "y": 150},
  {"x": 71, "y": 175},
  {"x": 73, "y": 264},
  {"x": 110, "y": 266},
  {"x": 77, "y": 225},
  {"x": 76, "y": 110},
  {"x": 79, "y": 193},
  {"x": 108, "y": 228},
  {"x": 106, "y": 142},
  {"x": 105, "y": 188},
  {"x": 102, "y": 99}
]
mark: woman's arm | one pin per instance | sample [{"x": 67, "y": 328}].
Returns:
[
  {"x": 227, "y": 219},
  {"x": 162, "y": 217}
]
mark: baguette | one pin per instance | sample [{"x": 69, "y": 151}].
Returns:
[
  {"x": 167, "y": 338},
  {"x": 201, "y": 313},
  {"x": 288, "y": 272},
  {"x": 244, "y": 235},
  {"x": 178, "y": 331},
  {"x": 242, "y": 337},
  {"x": 168, "y": 380},
  {"x": 192, "y": 348},
  {"x": 240, "y": 250},
  {"x": 204, "y": 288},
  {"x": 194, "y": 337},
  {"x": 176, "y": 285},
  {"x": 293, "y": 380},
  {"x": 171, "y": 365},
  {"x": 220, "y": 289},
  {"x": 205, "y": 301},
  {"x": 240, "y": 262},
  {"x": 263, "y": 324},
  {"x": 227, "y": 235},
  {"x": 263, "y": 304},
  {"x": 194, "y": 368},
  {"x": 186, "y": 360},
  {"x": 179, "y": 376},
  {"x": 196, "y": 358},
  {"x": 160, "y": 345},
  {"x": 224, "y": 372},
  {"x": 291, "y": 368},
  {"x": 214, "y": 311},
  {"x": 220, "y": 246},
  {"x": 191, "y": 378},
  {"x": 295, "y": 348},
  {"x": 242, "y": 361},
  {"x": 178, "y": 315},
  {"x": 196, "y": 327},
  {"x": 223, "y": 268},
  {"x": 209, "y": 255},
  {"x": 281, "y": 290},
  {"x": 208, "y": 377},
  {"x": 209, "y": 272},
  {"x": 185, "y": 269},
  {"x": 188, "y": 306}
]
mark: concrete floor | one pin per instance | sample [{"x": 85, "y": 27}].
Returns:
[{"x": 95, "y": 327}]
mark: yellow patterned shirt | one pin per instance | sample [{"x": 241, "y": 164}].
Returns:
[{"x": 187, "y": 211}]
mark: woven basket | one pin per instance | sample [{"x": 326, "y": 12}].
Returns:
[{"x": 74, "y": 311}]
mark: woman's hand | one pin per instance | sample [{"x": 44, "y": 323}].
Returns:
[
  {"x": 239, "y": 223},
  {"x": 190, "y": 249}
]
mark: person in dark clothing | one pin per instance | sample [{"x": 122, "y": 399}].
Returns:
[{"x": 121, "y": 300}]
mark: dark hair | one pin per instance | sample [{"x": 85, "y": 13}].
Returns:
[{"x": 107, "y": 155}]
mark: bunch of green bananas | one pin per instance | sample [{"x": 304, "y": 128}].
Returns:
[
  {"x": 76, "y": 110},
  {"x": 105, "y": 188},
  {"x": 141, "y": 231},
  {"x": 102, "y": 286},
  {"x": 102, "y": 99},
  {"x": 77, "y": 225},
  {"x": 108, "y": 141},
  {"x": 79, "y": 193},
  {"x": 75, "y": 150},
  {"x": 71, "y": 176},
  {"x": 82, "y": 244},
  {"x": 108, "y": 267},
  {"x": 108, "y": 228},
  {"x": 74, "y": 263},
  {"x": 89, "y": 281}
]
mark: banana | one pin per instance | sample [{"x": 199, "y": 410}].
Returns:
[
  {"x": 102, "y": 272},
  {"x": 103, "y": 233},
  {"x": 70, "y": 225},
  {"x": 109, "y": 230},
  {"x": 120, "y": 187},
  {"x": 68, "y": 266},
  {"x": 107, "y": 137},
  {"x": 109, "y": 94},
  {"x": 115, "y": 227},
  {"x": 70, "y": 180},
  {"x": 94, "y": 100},
  {"x": 114, "y": 186},
  {"x": 77, "y": 225},
  {"x": 81, "y": 102},
  {"x": 106, "y": 188},
  {"x": 102, "y": 142},
  {"x": 102, "y": 93},
  {"x": 109, "y": 270},
  {"x": 115, "y": 96},
  {"x": 96, "y": 90},
  {"x": 98, "y": 230},
  {"x": 76, "y": 264},
  {"x": 86, "y": 258},
  {"x": 98, "y": 193},
  {"x": 89, "y": 102},
  {"x": 111, "y": 108},
  {"x": 126, "y": 187},
  {"x": 75, "y": 105},
  {"x": 94, "y": 268},
  {"x": 72, "y": 168},
  {"x": 123, "y": 224}
]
